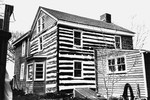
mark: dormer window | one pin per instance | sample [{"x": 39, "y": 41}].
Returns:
[{"x": 40, "y": 24}]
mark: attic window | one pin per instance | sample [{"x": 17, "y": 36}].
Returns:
[{"x": 40, "y": 24}]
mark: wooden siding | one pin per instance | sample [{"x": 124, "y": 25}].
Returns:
[
  {"x": 68, "y": 53},
  {"x": 49, "y": 22},
  {"x": 29, "y": 87},
  {"x": 133, "y": 76},
  {"x": 49, "y": 43},
  {"x": 50, "y": 50},
  {"x": 19, "y": 59},
  {"x": 127, "y": 42}
]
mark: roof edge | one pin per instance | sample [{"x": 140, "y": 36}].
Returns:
[
  {"x": 99, "y": 29},
  {"x": 21, "y": 38}
]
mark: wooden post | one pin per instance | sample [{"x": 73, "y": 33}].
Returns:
[
  {"x": 4, "y": 37},
  {"x": 8, "y": 12}
]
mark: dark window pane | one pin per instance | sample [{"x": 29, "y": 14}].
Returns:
[
  {"x": 39, "y": 65},
  {"x": 43, "y": 26},
  {"x": 123, "y": 67},
  {"x": 77, "y": 41},
  {"x": 109, "y": 62},
  {"x": 77, "y": 73},
  {"x": 122, "y": 60},
  {"x": 113, "y": 61},
  {"x": 39, "y": 71},
  {"x": 112, "y": 68},
  {"x": 40, "y": 39},
  {"x": 39, "y": 74},
  {"x": 118, "y": 60},
  {"x": 39, "y": 22},
  {"x": 77, "y": 34},
  {"x": 117, "y": 45},
  {"x": 119, "y": 68},
  {"x": 77, "y": 69},
  {"x": 77, "y": 65},
  {"x": 117, "y": 39},
  {"x": 39, "y": 29},
  {"x": 117, "y": 42}
]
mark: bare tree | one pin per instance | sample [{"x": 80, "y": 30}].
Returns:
[
  {"x": 109, "y": 80},
  {"x": 10, "y": 51},
  {"x": 141, "y": 33}
]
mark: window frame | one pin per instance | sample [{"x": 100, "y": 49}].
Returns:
[
  {"x": 27, "y": 73},
  {"x": 81, "y": 38},
  {"x": 43, "y": 63},
  {"x": 120, "y": 47},
  {"x": 116, "y": 65},
  {"x": 40, "y": 24},
  {"x": 22, "y": 71},
  {"x": 40, "y": 43},
  {"x": 23, "y": 48},
  {"x": 78, "y": 69}
]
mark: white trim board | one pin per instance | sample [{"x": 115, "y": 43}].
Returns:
[{"x": 115, "y": 32}]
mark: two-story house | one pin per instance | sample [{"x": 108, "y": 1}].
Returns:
[{"x": 57, "y": 54}]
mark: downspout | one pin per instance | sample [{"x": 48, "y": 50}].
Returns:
[{"x": 96, "y": 69}]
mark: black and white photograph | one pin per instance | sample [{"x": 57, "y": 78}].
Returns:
[{"x": 74, "y": 50}]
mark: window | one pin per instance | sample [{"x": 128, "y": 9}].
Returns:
[
  {"x": 29, "y": 72},
  {"x": 40, "y": 43},
  {"x": 43, "y": 22},
  {"x": 40, "y": 24},
  {"x": 116, "y": 65},
  {"x": 39, "y": 71},
  {"x": 121, "y": 64},
  {"x": 22, "y": 71},
  {"x": 111, "y": 65},
  {"x": 117, "y": 42},
  {"x": 23, "y": 48},
  {"x": 77, "y": 69},
  {"x": 77, "y": 38}
]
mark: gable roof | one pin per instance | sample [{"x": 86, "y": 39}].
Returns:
[{"x": 83, "y": 20}]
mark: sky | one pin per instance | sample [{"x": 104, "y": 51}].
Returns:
[{"x": 125, "y": 13}]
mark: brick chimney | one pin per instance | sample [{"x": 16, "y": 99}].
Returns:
[{"x": 106, "y": 18}]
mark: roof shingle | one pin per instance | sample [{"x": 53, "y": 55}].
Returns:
[{"x": 83, "y": 20}]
